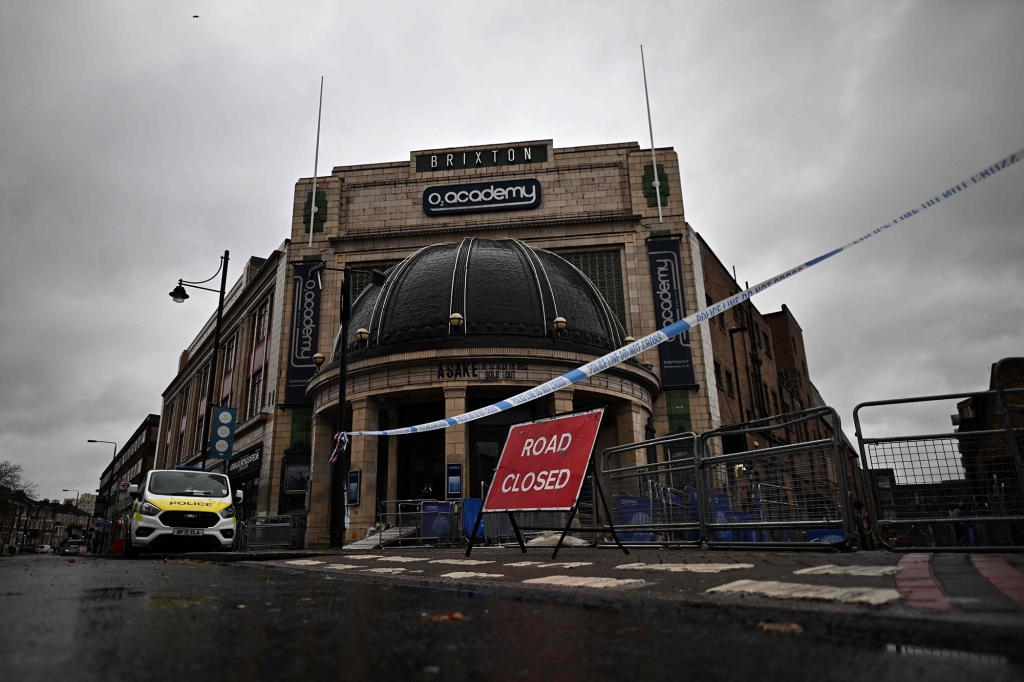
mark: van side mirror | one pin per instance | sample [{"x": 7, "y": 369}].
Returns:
[
  {"x": 238, "y": 496},
  {"x": 133, "y": 492}
]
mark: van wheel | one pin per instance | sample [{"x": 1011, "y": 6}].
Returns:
[{"x": 130, "y": 552}]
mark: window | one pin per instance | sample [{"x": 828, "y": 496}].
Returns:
[
  {"x": 258, "y": 360},
  {"x": 718, "y": 376},
  {"x": 361, "y": 279},
  {"x": 183, "y": 422},
  {"x": 728, "y": 383},
  {"x": 767, "y": 343},
  {"x": 604, "y": 269},
  {"x": 202, "y": 389},
  {"x": 321, "y": 211}
]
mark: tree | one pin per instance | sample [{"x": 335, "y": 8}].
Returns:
[{"x": 12, "y": 479}]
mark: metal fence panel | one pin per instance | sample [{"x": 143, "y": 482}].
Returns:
[
  {"x": 275, "y": 532},
  {"x": 654, "y": 502},
  {"x": 788, "y": 494},
  {"x": 420, "y": 522},
  {"x": 947, "y": 491}
]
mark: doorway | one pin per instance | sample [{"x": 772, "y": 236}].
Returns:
[{"x": 421, "y": 455}]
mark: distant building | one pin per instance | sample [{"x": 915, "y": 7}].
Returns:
[{"x": 129, "y": 465}]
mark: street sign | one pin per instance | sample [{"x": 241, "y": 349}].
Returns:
[
  {"x": 543, "y": 464},
  {"x": 125, "y": 485},
  {"x": 223, "y": 438}
]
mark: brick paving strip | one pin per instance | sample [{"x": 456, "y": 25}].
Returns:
[
  {"x": 917, "y": 585},
  {"x": 1001, "y": 575}
]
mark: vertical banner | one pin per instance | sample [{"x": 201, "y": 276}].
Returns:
[
  {"x": 222, "y": 440},
  {"x": 667, "y": 288},
  {"x": 304, "y": 332}
]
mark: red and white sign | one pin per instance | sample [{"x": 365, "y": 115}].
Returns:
[
  {"x": 125, "y": 485},
  {"x": 543, "y": 463}
]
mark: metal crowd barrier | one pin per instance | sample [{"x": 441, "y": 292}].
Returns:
[
  {"x": 420, "y": 522},
  {"x": 656, "y": 502},
  {"x": 950, "y": 491},
  {"x": 786, "y": 494},
  {"x": 275, "y": 532}
]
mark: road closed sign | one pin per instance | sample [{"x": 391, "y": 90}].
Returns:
[{"x": 543, "y": 463}]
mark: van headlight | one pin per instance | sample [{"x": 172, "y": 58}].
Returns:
[
  {"x": 227, "y": 512},
  {"x": 149, "y": 509}
]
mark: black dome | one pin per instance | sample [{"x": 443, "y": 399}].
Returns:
[{"x": 507, "y": 292}]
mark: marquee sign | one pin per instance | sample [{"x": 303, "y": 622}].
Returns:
[
  {"x": 304, "y": 331},
  {"x": 481, "y": 158},
  {"x": 667, "y": 288},
  {"x": 477, "y": 197}
]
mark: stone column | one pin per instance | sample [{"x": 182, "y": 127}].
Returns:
[
  {"x": 318, "y": 534},
  {"x": 392, "y": 453},
  {"x": 364, "y": 459},
  {"x": 631, "y": 419},
  {"x": 561, "y": 401},
  {"x": 456, "y": 438}
]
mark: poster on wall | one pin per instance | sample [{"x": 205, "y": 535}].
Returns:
[
  {"x": 667, "y": 289},
  {"x": 455, "y": 481},
  {"x": 305, "y": 329}
]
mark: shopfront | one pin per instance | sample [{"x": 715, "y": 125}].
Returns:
[{"x": 244, "y": 472}]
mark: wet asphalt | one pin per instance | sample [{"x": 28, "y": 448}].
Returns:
[{"x": 99, "y": 619}]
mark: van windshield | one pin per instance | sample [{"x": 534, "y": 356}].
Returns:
[{"x": 188, "y": 483}]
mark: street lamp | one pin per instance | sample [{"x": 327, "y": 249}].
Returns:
[
  {"x": 377, "y": 278},
  {"x": 179, "y": 295},
  {"x": 77, "y": 495},
  {"x": 558, "y": 323},
  {"x": 318, "y": 359}
]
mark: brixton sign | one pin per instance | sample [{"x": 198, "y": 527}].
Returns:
[
  {"x": 481, "y": 158},
  {"x": 506, "y": 195},
  {"x": 543, "y": 464}
]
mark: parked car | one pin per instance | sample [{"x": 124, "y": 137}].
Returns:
[
  {"x": 73, "y": 548},
  {"x": 43, "y": 549}
]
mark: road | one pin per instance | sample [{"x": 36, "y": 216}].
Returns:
[{"x": 156, "y": 619}]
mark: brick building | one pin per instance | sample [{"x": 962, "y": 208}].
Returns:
[
  {"x": 129, "y": 465},
  {"x": 510, "y": 238}
]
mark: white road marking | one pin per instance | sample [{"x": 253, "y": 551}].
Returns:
[
  {"x": 780, "y": 590},
  {"x": 384, "y": 570},
  {"x": 404, "y": 559},
  {"x": 354, "y": 557},
  {"x": 303, "y": 562},
  {"x": 461, "y": 562},
  {"x": 683, "y": 568},
  {"x": 831, "y": 569},
  {"x": 569, "y": 564},
  {"x": 471, "y": 574},
  {"x": 518, "y": 564},
  {"x": 580, "y": 581},
  {"x": 342, "y": 567}
]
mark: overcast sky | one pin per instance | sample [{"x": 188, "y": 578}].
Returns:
[{"x": 137, "y": 143}]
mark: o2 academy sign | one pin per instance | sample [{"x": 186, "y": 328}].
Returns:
[{"x": 505, "y": 195}]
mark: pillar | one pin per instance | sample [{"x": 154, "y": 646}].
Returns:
[
  {"x": 631, "y": 419},
  {"x": 456, "y": 438},
  {"x": 392, "y": 453},
  {"x": 318, "y": 534},
  {"x": 561, "y": 401},
  {"x": 364, "y": 459}
]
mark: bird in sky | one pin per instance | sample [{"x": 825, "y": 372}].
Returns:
[{"x": 195, "y": 16}]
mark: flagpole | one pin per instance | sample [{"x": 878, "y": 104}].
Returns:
[
  {"x": 650, "y": 127},
  {"x": 316, "y": 161}
]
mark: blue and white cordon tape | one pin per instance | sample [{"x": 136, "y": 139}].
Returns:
[{"x": 651, "y": 340}]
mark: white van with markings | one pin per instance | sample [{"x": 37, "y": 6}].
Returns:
[{"x": 181, "y": 509}]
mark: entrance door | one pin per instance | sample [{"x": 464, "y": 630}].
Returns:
[
  {"x": 486, "y": 439},
  {"x": 421, "y": 455}
]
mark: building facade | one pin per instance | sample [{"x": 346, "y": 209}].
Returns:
[
  {"x": 128, "y": 466},
  {"x": 506, "y": 266}
]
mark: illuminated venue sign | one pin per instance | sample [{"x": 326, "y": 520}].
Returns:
[
  {"x": 506, "y": 195},
  {"x": 481, "y": 158}
]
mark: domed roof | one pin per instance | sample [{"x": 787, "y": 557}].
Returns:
[{"x": 507, "y": 293}]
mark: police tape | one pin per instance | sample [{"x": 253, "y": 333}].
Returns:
[{"x": 653, "y": 340}]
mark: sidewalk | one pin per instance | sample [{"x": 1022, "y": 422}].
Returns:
[{"x": 960, "y": 601}]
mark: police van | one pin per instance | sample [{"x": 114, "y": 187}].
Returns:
[{"x": 185, "y": 508}]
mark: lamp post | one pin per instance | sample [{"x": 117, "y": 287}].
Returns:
[
  {"x": 179, "y": 295},
  {"x": 77, "y": 495},
  {"x": 108, "y": 532},
  {"x": 377, "y": 278}
]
